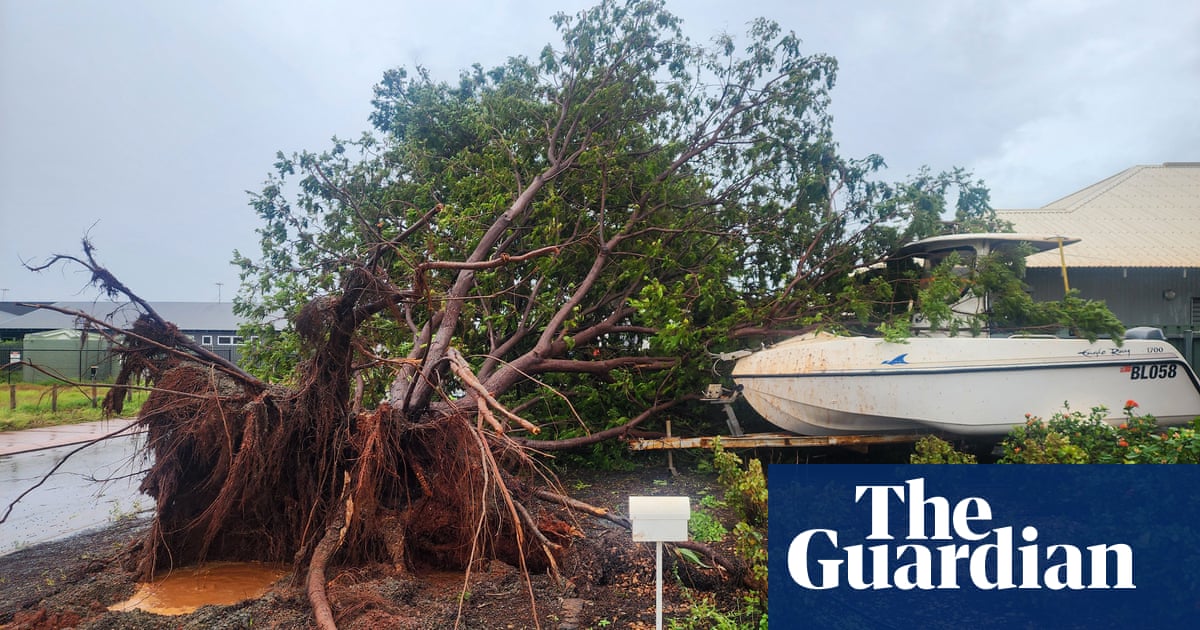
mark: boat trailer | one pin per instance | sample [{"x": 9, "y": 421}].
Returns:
[
  {"x": 770, "y": 440},
  {"x": 719, "y": 395}
]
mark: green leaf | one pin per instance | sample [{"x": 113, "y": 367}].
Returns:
[{"x": 691, "y": 556}]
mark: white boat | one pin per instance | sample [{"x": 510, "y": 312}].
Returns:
[{"x": 829, "y": 385}]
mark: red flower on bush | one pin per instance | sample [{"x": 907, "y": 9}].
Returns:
[
  {"x": 1122, "y": 443},
  {"x": 1130, "y": 404}
]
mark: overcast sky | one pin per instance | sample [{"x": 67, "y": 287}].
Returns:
[{"x": 143, "y": 123}]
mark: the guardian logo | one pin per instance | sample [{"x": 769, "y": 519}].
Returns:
[{"x": 949, "y": 546}]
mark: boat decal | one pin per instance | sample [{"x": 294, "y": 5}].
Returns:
[
  {"x": 899, "y": 360},
  {"x": 1110, "y": 352}
]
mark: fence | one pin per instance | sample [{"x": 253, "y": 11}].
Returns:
[{"x": 73, "y": 365}]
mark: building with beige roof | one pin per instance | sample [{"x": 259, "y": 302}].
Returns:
[{"x": 1140, "y": 247}]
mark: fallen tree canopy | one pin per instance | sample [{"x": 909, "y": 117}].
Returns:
[{"x": 247, "y": 470}]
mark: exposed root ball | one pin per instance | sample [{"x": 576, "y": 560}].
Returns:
[{"x": 250, "y": 472}]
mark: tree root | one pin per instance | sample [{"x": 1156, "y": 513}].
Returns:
[{"x": 315, "y": 583}]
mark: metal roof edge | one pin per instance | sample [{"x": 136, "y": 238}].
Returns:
[{"x": 1095, "y": 190}]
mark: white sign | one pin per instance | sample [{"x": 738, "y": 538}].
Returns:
[
  {"x": 659, "y": 519},
  {"x": 14, "y": 356}
]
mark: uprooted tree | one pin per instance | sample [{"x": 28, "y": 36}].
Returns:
[{"x": 532, "y": 260}]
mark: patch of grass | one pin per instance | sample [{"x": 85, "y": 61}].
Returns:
[
  {"x": 703, "y": 613},
  {"x": 35, "y": 405}
]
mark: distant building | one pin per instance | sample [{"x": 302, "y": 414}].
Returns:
[
  {"x": 212, "y": 324},
  {"x": 1140, "y": 251},
  {"x": 70, "y": 355}
]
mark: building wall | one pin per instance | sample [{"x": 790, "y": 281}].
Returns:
[
  {"x": 1164, "y": 298},
  {"x": 68, "y": 358},
  {"x": 1138, "y": 297},
  {"x": 225, "y": 343}
]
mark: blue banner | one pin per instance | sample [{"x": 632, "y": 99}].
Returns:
[{"x": 984, "y": 546}]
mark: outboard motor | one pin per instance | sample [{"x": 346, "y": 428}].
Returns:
[{"x": 1145, "y": 332}]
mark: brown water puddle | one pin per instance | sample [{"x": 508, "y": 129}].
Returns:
[{"x": 221, "y": 583}]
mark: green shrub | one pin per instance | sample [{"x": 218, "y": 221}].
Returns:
[
  {"x": 1090, "y": 433},
  {"x": 1139, "y": 440},
  {"x": 746, "y": 493},
  {"x": 745, "y": 490},
  {"x": 932, "y": 449},
  {"x": 1037, "y": 443},
  {"x": 1070, "y": 437},
  {"x": 704, "y": 527}
]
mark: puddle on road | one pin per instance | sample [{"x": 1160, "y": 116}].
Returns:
[{"x": 184, "y": 590}]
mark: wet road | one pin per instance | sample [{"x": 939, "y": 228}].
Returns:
[
  {"x": 12, "y": 442},
  {"x": 92, "y": 488}
]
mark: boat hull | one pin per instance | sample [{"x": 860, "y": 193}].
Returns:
[{"x": 826, "y": 385}]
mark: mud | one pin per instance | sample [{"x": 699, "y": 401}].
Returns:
[{"x": 607, "y": 581}]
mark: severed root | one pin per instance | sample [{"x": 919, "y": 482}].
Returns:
[
  {"x": 580, "y": 506},
  {"x": 548, "y": 547},
  {"x": 734, "y": 569},
  {"x": 315, "y": 584}
]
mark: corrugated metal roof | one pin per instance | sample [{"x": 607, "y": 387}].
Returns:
[
  {"x": 1145, "y": 216},
  {"x": 185, "y": 315},
  {"x": 12, "y": 309}
]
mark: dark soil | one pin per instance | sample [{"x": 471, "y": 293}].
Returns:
[{"x": 608, "y": 580}]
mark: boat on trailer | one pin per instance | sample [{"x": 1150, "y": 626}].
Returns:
[
  {"x": 822, "y": 384},
  {"x": 829, "y": 385}
]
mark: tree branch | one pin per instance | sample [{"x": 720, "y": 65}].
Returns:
[{"x": 600, "y": 436}]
